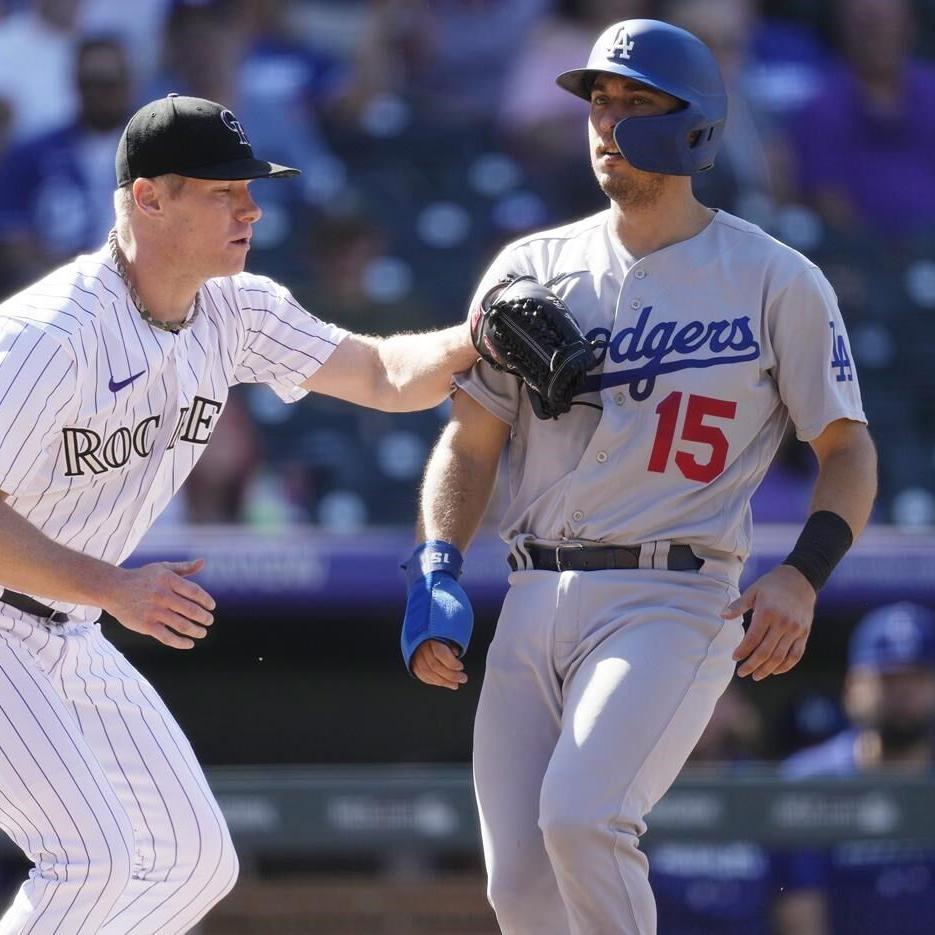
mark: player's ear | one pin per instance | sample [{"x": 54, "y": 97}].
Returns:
[{"x": 147, "y": 196}]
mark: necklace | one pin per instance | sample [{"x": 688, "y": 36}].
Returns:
[{"x": 173, "y": 327}]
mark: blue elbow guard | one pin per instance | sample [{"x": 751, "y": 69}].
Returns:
[{"x": 436, "y": 606}]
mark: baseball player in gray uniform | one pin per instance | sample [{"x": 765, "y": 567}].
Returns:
[
  {"x": 113, "y": 372},
  {"x": 628, "y": 518}
]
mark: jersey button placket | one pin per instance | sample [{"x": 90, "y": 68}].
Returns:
[
  {"x": 640, "y": 273},
  {"x": 636, "y": 303},
  {"x": 577, "y": 516},
  {"x": 601, "y": 457}
]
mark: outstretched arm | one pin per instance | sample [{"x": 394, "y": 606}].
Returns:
[
  {"x": 401, "y": 373},
  {"x": 459, "y": 479},
  {"x": 783, "y": 600}
]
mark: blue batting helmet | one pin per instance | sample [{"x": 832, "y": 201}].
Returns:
[
  {"x": 668, "y": 59},
  {"x": 892, "y": 637}
]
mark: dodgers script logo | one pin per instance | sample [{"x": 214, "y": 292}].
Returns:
[
  {"x": 665, "y": 347},
  {"x": 619, "y": 50}
]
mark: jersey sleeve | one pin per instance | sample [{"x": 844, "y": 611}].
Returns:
[
  {"x": 38, "y": 388},
  {"x": 498, "y": 392},
  {"x": 282, "y": 344},
  {"x": 813, "y": 368}
]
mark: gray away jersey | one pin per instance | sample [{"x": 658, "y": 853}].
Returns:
[
  {"x": 707, "y": 348},
  {"x": 102, "y": 416}
]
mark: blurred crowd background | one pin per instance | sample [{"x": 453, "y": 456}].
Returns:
[{"x": 430, "y": 133}]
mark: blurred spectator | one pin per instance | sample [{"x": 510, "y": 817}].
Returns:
[
  {"x": 239, "y": 52},
  {"x": 217, "y": 488},
  {"x": 886, "y": 887},
  {"x": 356, "y": 284},
  {"x": 282, "y": 87},
  {"x": 201, "y": 50},
  {"x": 751, "y": 166},
  {"x": 137, "y": 24},
  {"x": 340, "y": 466},
  {"x": 864, "y": 146},
  {"x": 37, "y": 47},
  {"x": 56, "y": 190},
  {"x": 445, "y": 60},
  {"x": 543, "y": 127},
  {"x": 716, "y": 888}
]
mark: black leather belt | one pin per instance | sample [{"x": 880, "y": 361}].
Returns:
[
  {"x": 29, "y": 606},
  {"x": 602, "y": 557}
]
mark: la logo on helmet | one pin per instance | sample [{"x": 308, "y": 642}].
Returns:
[
  {"x": 619, "y": 50},
  {"x": 233, "y": 124}
]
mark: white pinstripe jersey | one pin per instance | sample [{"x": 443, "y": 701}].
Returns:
[
  {"x": 103, "y": 416},
  {"x": 707, "y": 348}
]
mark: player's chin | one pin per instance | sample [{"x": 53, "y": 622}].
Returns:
[{"x": 234, "y": 261}]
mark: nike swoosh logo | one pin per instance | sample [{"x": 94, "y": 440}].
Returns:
[{"x": 115, "y": 385}]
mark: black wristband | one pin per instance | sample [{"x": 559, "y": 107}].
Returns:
[{"x": 821, "y": 545}]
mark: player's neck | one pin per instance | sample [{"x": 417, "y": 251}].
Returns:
[
  {"x": 166, "y": 291},
  {"x": 672, "y": 218}
]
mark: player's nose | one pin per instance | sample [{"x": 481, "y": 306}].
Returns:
[{"x": 248, "y": 210}]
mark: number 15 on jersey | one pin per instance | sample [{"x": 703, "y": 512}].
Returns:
[{"x": 694, "y": 428}]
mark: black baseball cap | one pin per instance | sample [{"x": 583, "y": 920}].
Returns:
[{"x": 192, "y": 137}]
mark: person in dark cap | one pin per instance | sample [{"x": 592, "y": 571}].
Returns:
[
  {"x": 114, "y": 370},
  {"x": 882, "y": 886}
]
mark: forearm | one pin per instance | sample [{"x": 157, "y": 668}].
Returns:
[
  {"x": 33, "y": 564},
  {"x": 847, "y": 484},
  {"x": 418, "y": 367},
  {"x": 455, "y": 493}
]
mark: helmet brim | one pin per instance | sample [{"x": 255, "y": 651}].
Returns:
[{"x": 579, "y": 80}]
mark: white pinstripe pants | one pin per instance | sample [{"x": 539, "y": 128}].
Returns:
[{"x": 101, "y": 789}]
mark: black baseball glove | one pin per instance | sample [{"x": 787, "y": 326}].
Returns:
[{"x": 524, "y": 328}]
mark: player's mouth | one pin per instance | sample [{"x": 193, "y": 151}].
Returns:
[
  {"x": 243, "y": 242},
  {"x": 609, "y": 154}
]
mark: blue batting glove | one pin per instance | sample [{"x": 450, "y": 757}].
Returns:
[{"x": 436, "y": 606}]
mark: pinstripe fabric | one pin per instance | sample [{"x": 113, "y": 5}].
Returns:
[
  {"x": 91, "y": 456},
  {"x": 102, "y": 417},
  {"x": 99, "y": 786}
]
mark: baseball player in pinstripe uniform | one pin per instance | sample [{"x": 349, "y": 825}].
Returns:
[
  {"x": 113, "y": 371},
  {"x": 628, "y": 518}
]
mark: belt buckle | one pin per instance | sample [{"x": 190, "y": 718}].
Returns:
[{"x": 558, "y": 553}]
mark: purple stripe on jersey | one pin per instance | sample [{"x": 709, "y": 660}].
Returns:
[
  {"x": 204, "y": 357},
  {"x": 289, "y": 324},
  {"x": 28, "y": 469},
  {"x": 21, "y": 412},
  {"x": 105, "y": 287},
  {"x": 38, "y": 321},
  {"x": 275, "y": 363},
  {"x": 301, "y": 308},
  {"x": 123, "y": 341},
  {"x": 293, "y": 350},
  {"x": 20, "y": 836},
  {"x": 94, "y": 295},
  {"x": 58, "y": 309},
  {"x": 49, "y": 308}
]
